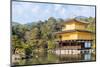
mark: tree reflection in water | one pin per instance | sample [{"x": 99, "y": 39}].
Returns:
[{"x": 49, "y": 57}]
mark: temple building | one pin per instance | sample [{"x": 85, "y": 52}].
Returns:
[{"x": 75, "y": 36}]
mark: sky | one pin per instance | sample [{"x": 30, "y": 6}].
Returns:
[{"x": 26, "y": 12}]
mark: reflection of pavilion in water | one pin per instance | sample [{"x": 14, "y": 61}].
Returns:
[
  {"x": 76, "y": 57},
  {"x": 47, "y": 57},
  {"x": 74, "y": 38}
]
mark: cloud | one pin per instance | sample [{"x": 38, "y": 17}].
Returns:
[
  {"x": 36, "y": 9},
  {"x": 63, "y": 11},
  {"x": 57, "y": 7},
  {"x": 60, "y": 10}
]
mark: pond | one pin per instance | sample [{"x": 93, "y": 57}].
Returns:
[{"x": 51, "y": 57}]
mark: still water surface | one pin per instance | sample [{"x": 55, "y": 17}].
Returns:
[{"x": 49, "y": 57}]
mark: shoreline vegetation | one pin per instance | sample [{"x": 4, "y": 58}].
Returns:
[{"x": 40, "y": 36}]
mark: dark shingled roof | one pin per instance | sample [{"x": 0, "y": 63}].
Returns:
[{"x": 75, "y": 20}]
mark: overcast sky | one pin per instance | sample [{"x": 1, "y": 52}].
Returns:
[{"x": 25, "y": 12}]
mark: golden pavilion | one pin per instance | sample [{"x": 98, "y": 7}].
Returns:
[{"x": 74, "y": 35}]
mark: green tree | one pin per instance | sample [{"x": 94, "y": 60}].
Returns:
[{"x": 16, "y": 43}]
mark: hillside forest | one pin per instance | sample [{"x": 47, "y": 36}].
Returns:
[{"x": 40, "y": 36}]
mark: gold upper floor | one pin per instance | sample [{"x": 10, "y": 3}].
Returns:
[{"x": 74, "y": 24}]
